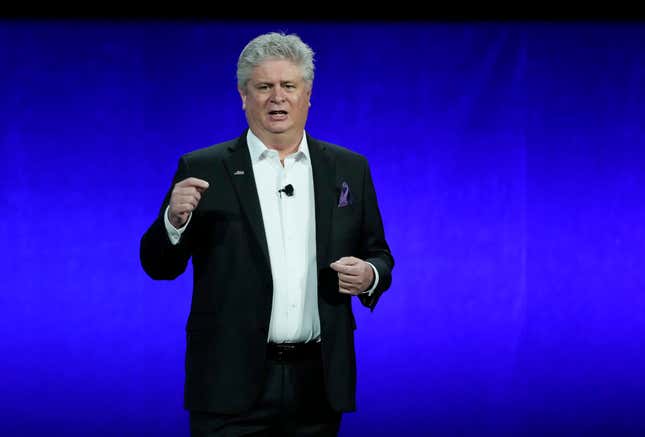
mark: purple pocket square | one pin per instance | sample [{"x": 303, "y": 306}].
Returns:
[{"x": 344, "y": 199}]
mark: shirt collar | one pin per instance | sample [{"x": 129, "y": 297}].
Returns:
[{"x": 257, "y": 148}]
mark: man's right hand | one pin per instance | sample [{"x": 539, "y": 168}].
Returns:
[{"x": 184, "y": 199}]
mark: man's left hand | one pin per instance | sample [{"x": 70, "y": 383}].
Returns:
[{"x": 354, "y": 275}]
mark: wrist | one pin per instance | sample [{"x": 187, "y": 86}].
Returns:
[
  {"x": 176, "y": 220},
  {"x": 177, "y": 223}
]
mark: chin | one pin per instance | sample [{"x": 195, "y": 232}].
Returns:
[{"x": 277, "y": 129}]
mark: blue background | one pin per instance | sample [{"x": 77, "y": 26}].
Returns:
[{"x": 509, "y": 162}]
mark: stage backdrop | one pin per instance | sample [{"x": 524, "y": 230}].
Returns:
[{"x": 510, "y": 168}]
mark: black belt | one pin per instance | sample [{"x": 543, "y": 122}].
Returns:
[{"x": 293, "y": 351}]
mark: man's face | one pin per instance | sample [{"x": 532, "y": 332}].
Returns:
[{"x": 276, "y": 100}]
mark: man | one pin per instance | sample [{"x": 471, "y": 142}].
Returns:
[{"x": 283, "y": 230}]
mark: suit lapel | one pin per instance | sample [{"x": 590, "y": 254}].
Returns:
[
  {"x": 240, "y": 170},
  {"x": 324, "y": 194},
  {"x": 324, "y": 177}
]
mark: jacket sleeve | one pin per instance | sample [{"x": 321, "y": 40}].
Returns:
[
  {"x": 374, "y": 247},
  {"x": 159, "y": 258}
]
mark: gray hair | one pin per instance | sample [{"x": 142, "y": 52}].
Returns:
[{"x": 275, "y": 45}]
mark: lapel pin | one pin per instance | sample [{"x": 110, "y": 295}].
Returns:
[{"x": 238, "y": 172}]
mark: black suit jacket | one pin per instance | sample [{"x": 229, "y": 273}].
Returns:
[{"x": 228, "y": 324}]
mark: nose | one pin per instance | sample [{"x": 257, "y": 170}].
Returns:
[{"x": 277, "y": 95}]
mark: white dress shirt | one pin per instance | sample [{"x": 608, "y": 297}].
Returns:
[{"x": 290, "y": 229}]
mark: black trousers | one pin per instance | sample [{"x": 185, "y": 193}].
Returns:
[{"x": 293, "y": 403}]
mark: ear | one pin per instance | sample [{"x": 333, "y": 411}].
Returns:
[{"x": 243, "y": 96}]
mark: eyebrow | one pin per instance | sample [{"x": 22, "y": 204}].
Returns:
[{"x": 282, "y": 82}]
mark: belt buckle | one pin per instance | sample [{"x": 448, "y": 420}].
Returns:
[{"x": 284, "y": 351}]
